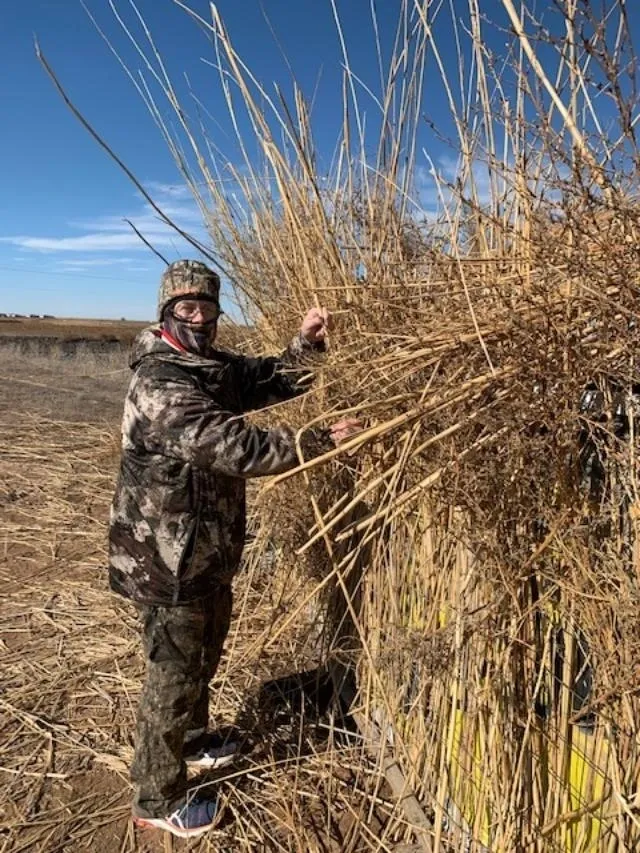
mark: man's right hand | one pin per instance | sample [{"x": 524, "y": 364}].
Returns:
[{"x": 344, "y": 429}]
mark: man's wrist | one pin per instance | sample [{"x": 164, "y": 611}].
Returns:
[
  {"x": 316, "y": 346},
  {"x": 316, "y": 441}
]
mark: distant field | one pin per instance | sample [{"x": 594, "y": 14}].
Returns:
[
  {"x": 74, "y": 370},
  {"x": 61, "y": 327},
  {"x": 122, "y": 331},
  {"x": 64, "y": 369}
]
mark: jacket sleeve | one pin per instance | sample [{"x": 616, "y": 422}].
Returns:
[
  {"x": 179, "y": 419},
  {"x": 273, "y": 380}
]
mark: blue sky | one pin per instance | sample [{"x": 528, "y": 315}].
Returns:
[{"x": 64, "y": 248}]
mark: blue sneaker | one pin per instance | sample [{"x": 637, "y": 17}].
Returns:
[
  {"x": 211, "y": 750},
  {"x": 195, "y": 817}
]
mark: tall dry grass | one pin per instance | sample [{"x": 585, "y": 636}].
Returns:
[{"x": 474, "y": 551}]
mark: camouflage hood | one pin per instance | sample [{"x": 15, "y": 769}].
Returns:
[{"x": 147, "y": 342}]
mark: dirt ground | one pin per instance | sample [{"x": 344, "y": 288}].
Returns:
[
  {"x": 122, "y": 330},
  {"x": 71, "y": 667}
]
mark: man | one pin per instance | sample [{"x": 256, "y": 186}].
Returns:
[{"x": 178, "y": 520}]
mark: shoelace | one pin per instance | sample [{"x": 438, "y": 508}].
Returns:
[{"x": 177, "y": 819}]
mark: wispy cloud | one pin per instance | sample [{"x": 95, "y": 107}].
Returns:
[
  {"x": 72, "y": 263},
  {"x": 146, "y": 220},
  {"x": 175, "y": 191},
  {"x": 433, "y": 184},
  {"x": 86, "y": 243},
  {"x": 111, "y": 234}
]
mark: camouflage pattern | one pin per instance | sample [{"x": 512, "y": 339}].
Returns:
[
  {"x": 187, "y": 278},
  {"x": 178, "y": 515},
  {"x": 183, "y": 646}
]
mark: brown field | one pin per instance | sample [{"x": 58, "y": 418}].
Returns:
[
  {"x": 61, "y": 327},
  {"x": 37, "y": 375},
  {"x": 36, "y": 378}
]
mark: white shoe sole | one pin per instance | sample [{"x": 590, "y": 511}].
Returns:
[
  {"x": 212, "y": 763},
  {"x": 160, "y": 823}
]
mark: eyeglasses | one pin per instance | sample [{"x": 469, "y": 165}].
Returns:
[{"x": 189, "y": 309}]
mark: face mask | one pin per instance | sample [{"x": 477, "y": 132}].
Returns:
[{"x": 195, "y": 337}]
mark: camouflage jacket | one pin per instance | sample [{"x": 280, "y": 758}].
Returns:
[{"x": 178, "y": 515}]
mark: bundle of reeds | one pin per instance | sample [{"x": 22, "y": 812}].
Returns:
[{"x": 474, "y": 549}]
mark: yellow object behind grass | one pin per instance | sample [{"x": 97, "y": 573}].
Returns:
[
  {"x": 584, "y": 827},
  {"x": 569, "y": 767}
]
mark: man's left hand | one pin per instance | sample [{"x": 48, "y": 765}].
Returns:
[
  {"x": 345, "y": 429},
  {"x": 316, "y": 325}
]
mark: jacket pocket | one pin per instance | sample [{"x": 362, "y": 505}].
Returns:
[
  {"x": 193, "y": 528},
  {"x": 187, "y": 556}
]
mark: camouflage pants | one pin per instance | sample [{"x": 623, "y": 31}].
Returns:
[{"x": 183, "y": 645}]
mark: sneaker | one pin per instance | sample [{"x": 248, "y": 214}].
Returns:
[
  {"x": 195, "y": 817},
  {"x": 211, "y": 751}
]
